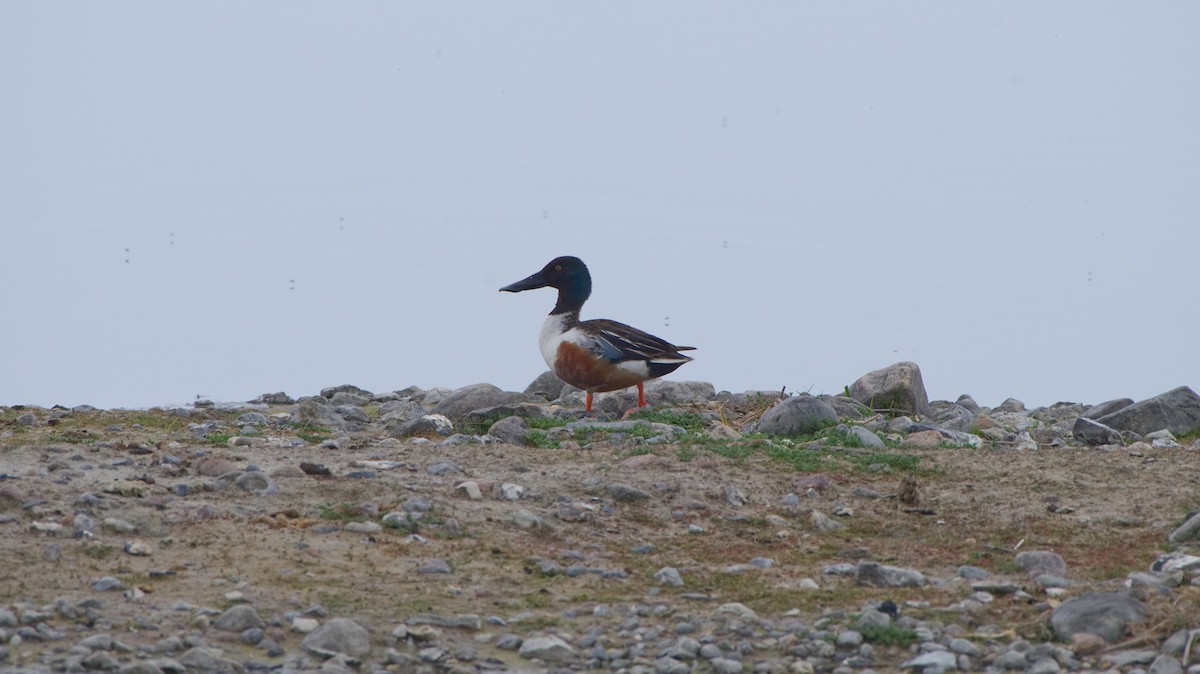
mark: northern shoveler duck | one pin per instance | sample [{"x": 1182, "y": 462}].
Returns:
[{"x": 597, "y": 355}]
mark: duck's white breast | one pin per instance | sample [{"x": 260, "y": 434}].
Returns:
[{"x": 552, "y": 335}]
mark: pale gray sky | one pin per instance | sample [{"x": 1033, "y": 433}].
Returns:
[{"x": 229, "y": 198}]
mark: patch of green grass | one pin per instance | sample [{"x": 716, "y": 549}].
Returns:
[
  {"x": 802, "y": 457},
  {"x": 100, "y": 551},
  {"x": 732, "y": 450},
  {"x": 841, "y": 438},
  {"x": 342, "y": 512},
  {"x": 310, "y": 432},
  {"x": 889, "y": 635},
  {"x": 429, "y": 523},
  {"x": 69, "y": 437},
  {"x": 1189, "y": 437},
  {"x": 479, "y": 425},
  {"x": 217, "y": 438},
  {"x": 688, "y": 421},
  {"x": 545, "y": 423},
  {"x": 313, "y": 438},
  {"x": 540, "y": 439}
]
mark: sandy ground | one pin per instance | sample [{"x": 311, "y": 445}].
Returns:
[{"x": 1106, "y": 511}]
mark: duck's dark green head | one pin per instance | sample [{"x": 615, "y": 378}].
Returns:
[{"x": 568, "y": 274}]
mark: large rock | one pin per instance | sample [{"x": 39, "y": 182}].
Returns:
[
  {"x": 1094, "y": 433},
  {"x": 1105, "y": 614},
  {"x": 895, "y": 387},
  {"x": 1041, "y": 562},
  {"x": 1107, "y": 407},
  {"x": 547, "y": 648},
  {"x": 427, "y": 424},
  {"x": 316, "y": 410},
  {"x": 239, "y": 619},
  {"x": 679, "y": 392},
  {"x": 1189, "y": 529},
  {"x": 882, "y": 575},
  {"x": 490, "y": 414},
  {"x": 331, "y": 391},
  {"x": 795, "y": 416},
  {"x": 547, "y": 385},
  {"x": 339, "y": 635},
  {"x": 509, "y": 429},
  {"x": 1177, "y": 410},
  {"x": 658, "y": 392},
  {"x": 474, "y": 397}
]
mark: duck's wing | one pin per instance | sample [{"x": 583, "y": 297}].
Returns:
[{"x": 617, "y": 342}]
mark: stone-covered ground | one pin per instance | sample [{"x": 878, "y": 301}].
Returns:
[{"x": 483, "y": 530}]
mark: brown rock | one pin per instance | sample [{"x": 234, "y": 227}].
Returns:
[
  {"x": 924, "y": 439},
  {"x": 214, "y": 466},
  {"x": 1086, "y": 643},
  {"x": 641, "y": 461}
]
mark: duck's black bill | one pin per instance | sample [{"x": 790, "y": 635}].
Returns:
[{"x": 529, "y": 283}]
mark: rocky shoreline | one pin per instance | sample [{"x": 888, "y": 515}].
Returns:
[{"x": 482, "y": 530}]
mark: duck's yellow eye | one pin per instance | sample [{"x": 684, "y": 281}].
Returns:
[{"x": 558, "y": 267}]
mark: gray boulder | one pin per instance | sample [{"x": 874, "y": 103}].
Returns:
[
  {"x": 1165, "y": 664},
  {"x": 671, "y": 392},
  {"x": 331, "y": 391},
  {"x": 1105, "y": 614},
  {"x": 881, "y": 575},
  {"x": 867, "y": 438},
  {"x": 1092, "y": 432},
  {"x": 967, "y": 402},
  {"x": 1106, "y": 408},
  {"x": 200, "y": 659},
  {"x": 256, "y": 482},
  {"x": 316, "y": 410},
  {"x": 238, "y": 619},
  {"x": 1189, "y": 529},
  {"x": 474, "y": 397},
  {"x": 1041, "y": 562},
  {"x": 524, "y": 410},
  {"x": 547, "y": 385},
  {"x": 547, "y": 648},
  {"x": 848, "y": 408},
  {"x": 939, "y": 660},
  {"x": 1011, "y": 405},
  {"x": 796, "y": 415},
  {"x": 1177, "y": 410},
  {"x": 422, "y": 425},
  {"x": 400, "y": 411},
  {"x": 339, "y": 635},
  {"x": 509, "y": 429},
  {"x": 895, "y": 387},
  {"x": 349, "y": 398}
]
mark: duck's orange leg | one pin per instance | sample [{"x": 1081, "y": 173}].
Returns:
[
  {"x": 588, "y": 405},
  {"x": 641, "y": 395}
]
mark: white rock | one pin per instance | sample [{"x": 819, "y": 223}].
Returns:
[
  {"x": 471, "y": 489},
  {"x": 363, "y": 527},
  {"x": 304, "y": 625},
  {"x": 137, "y": 548},
  {"x": 943, "y": 659}
]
